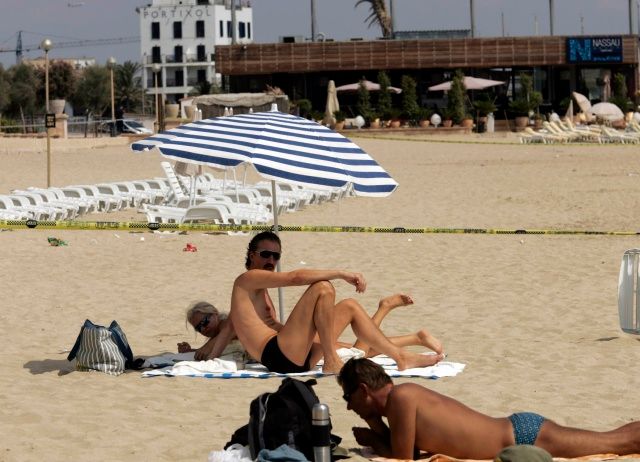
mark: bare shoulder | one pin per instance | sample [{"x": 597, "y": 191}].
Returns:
[{"x": 408, "y": 392}]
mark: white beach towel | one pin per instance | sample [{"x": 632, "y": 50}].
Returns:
[{"x": 226, "y": 368}]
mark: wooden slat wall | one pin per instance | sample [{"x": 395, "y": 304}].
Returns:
[{"x": 399, "y": 54}]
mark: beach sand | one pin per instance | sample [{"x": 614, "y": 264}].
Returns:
[{"x": 533, "y": 317}]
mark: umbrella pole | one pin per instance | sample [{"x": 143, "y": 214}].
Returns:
[{"x": 274, "y": 208}]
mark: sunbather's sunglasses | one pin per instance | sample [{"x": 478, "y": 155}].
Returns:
[
  {"x": 268, "y": 253},
  {"x": 204, "y": 322},
  {"x": 347, "y": 395}
]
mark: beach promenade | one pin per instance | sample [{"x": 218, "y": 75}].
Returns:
[{"x": 533, "y": 317}]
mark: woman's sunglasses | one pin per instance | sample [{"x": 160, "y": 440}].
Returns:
[
  {"x": 204, "y": 322},
  {"x": 268, "y": 253}
]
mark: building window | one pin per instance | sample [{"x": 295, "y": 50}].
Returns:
[
  {"x": 177, "y": 30},
  {"x": 202, "y": 75},
  {"x": 248, "y": 30},
  {"x": 202, "y": 55},
  {"x": 221, "y": 28},
  {"x": 229, "y": 29},
  {"x": 155, "y": 30},
  {"x": 177, "y": 52},
  {"x": 155, "y": 55},
  {"x": 199, "y": 29},
  {"x": 179, "y": 78},
  {"x": 241, "y": 30}
]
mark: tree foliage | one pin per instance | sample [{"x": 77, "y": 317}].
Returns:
[
  {"x": 93, "y": 93},
  {"x": 456, "y": 107},
  {"x": 23, "y": 90},
  {"x": 410, "y": 107},
  {"x": 62, "y": 80},
  {"x": 363, "y": 105},
  {"x": 5, "y": 86},
  {"x": 379, "y": 16},
  {"x": 528, "y": 99},
  {"x": 620, "y": 93},
  {"x": 128, "y": 86},
  {"x": 384, "y": 95}
]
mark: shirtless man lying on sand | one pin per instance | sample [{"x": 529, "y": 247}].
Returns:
[
  {"x": 422, "y": 419},
  {"x": 292, "y": 347}
]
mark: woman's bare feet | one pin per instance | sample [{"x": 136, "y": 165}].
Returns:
[
  {"x": 408, "y": 360},
  {"x": 394, "y": 301},
  {"x": 429, "y": 341}
]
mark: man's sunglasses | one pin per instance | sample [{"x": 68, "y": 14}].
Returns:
[
  {"x": 347, "y": 396},
  {"x": 268, "y": 253},
  {"x": 204, "y": 322}
]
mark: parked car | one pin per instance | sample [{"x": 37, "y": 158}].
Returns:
[{"x": 126, "y": 126}]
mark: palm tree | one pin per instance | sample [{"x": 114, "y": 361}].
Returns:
[
  {"x": 379, "y": 15},
  {"x": 129, "y": 85}
]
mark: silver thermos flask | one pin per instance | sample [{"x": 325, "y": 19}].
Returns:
[{"x": 321, "y": 433}]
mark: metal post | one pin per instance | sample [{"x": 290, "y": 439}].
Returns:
[
  {"x": 156, "y": 69},
  {"x": 111, "y": 62},
  {"x": 313, "y": 20},
  {"x": 46, "y": 45},
  {"x": 550, "y": 17},
  {"x": 472, "y": 18}
]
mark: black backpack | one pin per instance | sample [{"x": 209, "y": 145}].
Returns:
[{"x": 283, "y": 417}]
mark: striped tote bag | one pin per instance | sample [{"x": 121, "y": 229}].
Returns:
[{"x": 100, "y": 348}]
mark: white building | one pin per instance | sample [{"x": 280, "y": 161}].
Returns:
[{"x": 178, "y": 40}]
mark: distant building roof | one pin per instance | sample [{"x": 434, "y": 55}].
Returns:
[{"x": 432, "y": 34}]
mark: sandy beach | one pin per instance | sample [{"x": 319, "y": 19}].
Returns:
[{"x": 533, "y": 317}]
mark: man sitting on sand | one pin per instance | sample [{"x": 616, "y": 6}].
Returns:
[
  {"x": 291, "y": 347},
  {"x": 420, "y": 419}
]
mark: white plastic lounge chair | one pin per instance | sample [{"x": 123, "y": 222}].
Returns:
[
  {"x": 106, "y": 202},
  {"x": 22, "y": 205},
  {"x": 628, "y": 292},
  {"x": 12, "y": 211},
  {"x": 41, "y": 198}
]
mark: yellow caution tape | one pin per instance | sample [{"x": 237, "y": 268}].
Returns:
[{"x": 208, "y": 227}]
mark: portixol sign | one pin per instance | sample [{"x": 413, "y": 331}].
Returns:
[
  {"x": 594, "y": 49},
  {"x": 179, "y": 13}
]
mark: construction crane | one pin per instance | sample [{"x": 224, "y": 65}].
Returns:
[{"x": 20, "y": 49}]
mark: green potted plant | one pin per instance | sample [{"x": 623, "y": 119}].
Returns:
[
  {"x": 374, "y": 119},
  {"x": 395, "y": 115},
  {"x": 424, "y": 115},
  {"x": 447, "y": 117},
  {"x": 340, "y": 117},
  {"x": 485, "y": 106},
  {"x": 456, "y": 108},
  {"x": 527, "y": 101}
]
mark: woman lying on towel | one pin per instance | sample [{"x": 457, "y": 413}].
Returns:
[{"x": 208, "y": 321}]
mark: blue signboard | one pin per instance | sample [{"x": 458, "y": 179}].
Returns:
[{"x": 594, "y": 49}]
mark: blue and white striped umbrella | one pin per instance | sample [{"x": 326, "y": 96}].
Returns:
[{"x": 282, "y": 147}]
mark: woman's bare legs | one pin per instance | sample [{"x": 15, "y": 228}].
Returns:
[
  {"x": 350, "y": 312},
  {"x": 420, "y": 338}
]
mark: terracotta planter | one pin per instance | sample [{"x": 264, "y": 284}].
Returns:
[
  {"x": 521, "y": 121},
  {"x": 466, "y": 123},
  {"x": 447, "y": 123},
  {"x": 171, "y": 111},
  {"x": 395, "y": 124},
  {"x": 375, "y": 124},
  {"x": 424, "y": 123},
  {"x": 339, "y": 125}
]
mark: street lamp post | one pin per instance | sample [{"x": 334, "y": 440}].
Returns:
[
  {"x": 156, "y": 70},
  {"x": 46, "y": 45},
  {"x": 111, "y": 64}
]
